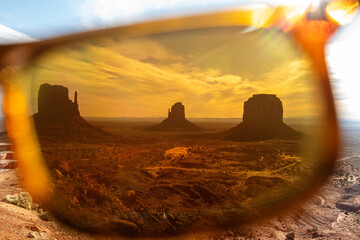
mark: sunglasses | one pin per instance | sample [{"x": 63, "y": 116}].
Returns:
[{"x": 180, "y": 126}]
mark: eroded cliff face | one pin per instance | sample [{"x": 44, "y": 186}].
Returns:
[
  {"x": 177, "y": 111},
  {"x": 58, "y": 117},
  {"x": 54, "y": 103},
  {"x": 262, "y": 119},
  {"x": 176, "y": 121},
  {"x": 263, "y": 110}
]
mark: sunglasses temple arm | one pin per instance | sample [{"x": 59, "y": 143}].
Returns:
[{"x": 314, "y": 47}]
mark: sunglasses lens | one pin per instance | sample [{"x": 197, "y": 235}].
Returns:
[{"x": 176, "y": 132}]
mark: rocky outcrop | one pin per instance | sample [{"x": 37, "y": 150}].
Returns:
[
  {"x": 176, "y": 121},
  {"x": 177, "y": 112},
  {"x": 59, "y": 117},
  {"x": 349, "y": 202},
  {"x": 262, "y": 119},
  {"x": 54, "y": 103}
]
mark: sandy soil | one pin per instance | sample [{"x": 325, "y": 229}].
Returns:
[
  {"x": 20, "y": 223},
  {"x": 331, "y": 214},
  {"x": 164, "y": 184},
  {"x": 321, "y": 212}
]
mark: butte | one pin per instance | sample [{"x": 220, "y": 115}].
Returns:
[
  {"x": 262, "y": 119},
  {"x": 176, "y": 121},
  {"x": 59, "y": 117}
]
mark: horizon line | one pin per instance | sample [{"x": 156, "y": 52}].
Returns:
[{"x": 196, "y": 117}]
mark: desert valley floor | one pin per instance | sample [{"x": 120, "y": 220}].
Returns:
[
  {"x": 332, "y": 212},
  {"x": 165, "y": 183}
]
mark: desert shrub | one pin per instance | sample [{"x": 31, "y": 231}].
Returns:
[{"x": 22, "y": 199}]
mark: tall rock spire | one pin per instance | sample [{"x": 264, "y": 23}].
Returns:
[{"x": 75, "y": 97}]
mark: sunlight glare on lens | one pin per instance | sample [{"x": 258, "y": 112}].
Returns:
[
  {"x": 342, "y": 12},
  {"x": 289, "y": 12},
  {"x": 315, "y": 4},
  {"x": 294, "y": 12},
  {"x": 258, "y": 14}
]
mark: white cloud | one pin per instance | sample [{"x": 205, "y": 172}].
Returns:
[
  {"x": 100, "y": 13},
  {"x": 344, "y": 63},
  {"x": 97, "y": 13},
  {"x": 108, "y": 12},
  {"x": 8, "y": 35}
]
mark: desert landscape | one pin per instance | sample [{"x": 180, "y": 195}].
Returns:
[
  {"x": 192, "y": 132},
  {"x": 139, "y": 177},
  {"x": 330, "y": 214},
  {"x": 165, "y": 134},
  {"x": 87, "y": 192}
]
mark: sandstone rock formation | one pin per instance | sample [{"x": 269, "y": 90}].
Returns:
[
  {"x": 176, "y": 121},
  {"x": 262, "y": 119},
  {"x": 54, "y": 103},
  {"x": 59, "y": 117}
]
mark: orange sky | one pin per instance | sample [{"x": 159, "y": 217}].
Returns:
[{"x": 212, "y": 72}]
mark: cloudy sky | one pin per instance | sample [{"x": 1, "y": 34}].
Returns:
[
  {"x": 43, "y": 18},
  {"x": 211, "y": 71},
  {"x": 23, "y": 20}
]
